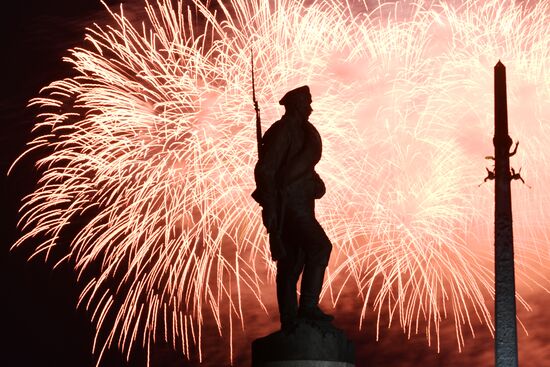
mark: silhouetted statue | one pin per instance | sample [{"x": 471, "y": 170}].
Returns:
[{"x": 286, "y": 188}]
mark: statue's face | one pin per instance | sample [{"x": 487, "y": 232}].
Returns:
[
  {"x": 308, "y": 110},
  {"x": 304, "y": 107}
]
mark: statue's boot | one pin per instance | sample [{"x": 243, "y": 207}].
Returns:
[
  {"x": 312, "y": 282},
  {"x": 286, "y": 298}
]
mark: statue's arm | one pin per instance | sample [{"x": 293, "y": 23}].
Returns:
[
  {"x": 305, "y": 161},
  {"x": 275, "y": 145},
  {"x": 296, "y": 169}
]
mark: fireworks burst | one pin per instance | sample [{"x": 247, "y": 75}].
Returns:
[{"x": 154, "y": 141}]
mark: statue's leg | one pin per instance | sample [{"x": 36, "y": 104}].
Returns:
[
  {"x": 288, "y": 272},
  {"x": 312, "y": 283},
  {"x": 317, "y": 248}
]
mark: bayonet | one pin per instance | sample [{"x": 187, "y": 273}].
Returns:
[{"x": 256, "y": 108}]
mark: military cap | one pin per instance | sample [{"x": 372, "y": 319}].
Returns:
[{"x": 300, "y": 94}]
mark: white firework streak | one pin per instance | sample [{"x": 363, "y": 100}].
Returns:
[{"x": 153, "y": 142}]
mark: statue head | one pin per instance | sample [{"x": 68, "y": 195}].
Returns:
[{"x": 298, "y": 101}]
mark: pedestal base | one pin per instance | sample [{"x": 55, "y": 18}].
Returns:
[
  {"x": 307, "y": 364},
  {"x": 309, "y": 344}
]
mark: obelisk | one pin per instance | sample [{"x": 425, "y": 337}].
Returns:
[{"x": 506, "y": 353}]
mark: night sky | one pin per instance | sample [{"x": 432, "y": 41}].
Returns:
[{"x": 43, "y": 326}]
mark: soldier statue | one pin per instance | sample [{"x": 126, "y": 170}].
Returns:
[{"x": 286, "y": 188}]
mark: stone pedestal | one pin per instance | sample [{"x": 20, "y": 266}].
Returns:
[{"x": 309, "y": 344}]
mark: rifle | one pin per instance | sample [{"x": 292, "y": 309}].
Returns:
[{"x": 276, "y": 245}]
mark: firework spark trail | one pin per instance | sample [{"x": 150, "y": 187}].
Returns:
[{"x": 155, "y": 140}]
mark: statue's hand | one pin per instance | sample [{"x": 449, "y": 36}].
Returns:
[{"x": 269, "y": 217}]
